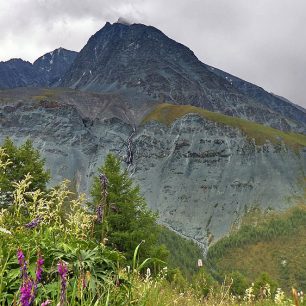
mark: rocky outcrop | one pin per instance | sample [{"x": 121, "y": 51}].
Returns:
[{"x": 201, "y": 176}]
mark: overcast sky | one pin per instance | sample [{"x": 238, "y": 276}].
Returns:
[{"x": 261, "y": 41}]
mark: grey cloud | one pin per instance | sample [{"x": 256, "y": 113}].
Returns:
[{"x": 261, "y": 41}]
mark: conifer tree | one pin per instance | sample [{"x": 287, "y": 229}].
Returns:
[
  {"x": 125, "y": 219},
  {"x": 24, "y": 159}
]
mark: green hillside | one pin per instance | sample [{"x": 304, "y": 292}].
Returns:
[
  {"x": 168, "y": 113},
  {"x": 274, "y": 243},
  {"x": 183, "y": 253}
]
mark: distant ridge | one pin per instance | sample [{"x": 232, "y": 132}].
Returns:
[{"x": 47, "y": 70}]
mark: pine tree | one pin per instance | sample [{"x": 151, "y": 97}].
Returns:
[
  {"x": 125, "y": 219},
  {"x": 25, "y": 159}
]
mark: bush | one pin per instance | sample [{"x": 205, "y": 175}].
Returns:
[{"x": 239, "y": 283}]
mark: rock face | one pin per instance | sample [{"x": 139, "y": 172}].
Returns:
[
  {"x": 46, "y": 70},
  {"x": 140, "y": 60},
  {"x": 199, "y": 175}
]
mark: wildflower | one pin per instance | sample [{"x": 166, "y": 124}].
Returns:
[
  {"x": 26, "y": 293},
  {"x": 34, "y": 223},
  {"x": 20, "y": 257},
  {"x": 279, "y": 296},
  {"x": 38, "y": 275},
  {"x": 39, "y": 270},
  {"x": 104, "y": 183},
  {"x": 100, "y": 212},
  {"x": 249, "y": 294},
  {"x": 5, "y": 231},
  {"x": 267, "y": 291},
  {"x": 46, "y": 303},
  {"x": 28, "y": 289},
  {"x": 148, "y": 275},
  {"x": 62, "y": 271},
  {"x": 23, "y": 265}
]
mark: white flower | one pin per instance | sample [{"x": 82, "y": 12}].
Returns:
[
  {"x": 5, "y": 231},
  {"x": 279, "y": 296}
]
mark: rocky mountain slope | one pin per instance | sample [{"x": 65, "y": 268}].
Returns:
[
  {"x": 201, "y": 172},
  {"x": 278, "y": 104},
  {"x": 45, "y": 71},
  {"x": 139, "y": 60}
]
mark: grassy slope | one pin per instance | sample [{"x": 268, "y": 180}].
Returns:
[
  {"x": 168, "y": 113},
  {"x": 184, "y": 253},
  {"x": 276, "y": 245}
]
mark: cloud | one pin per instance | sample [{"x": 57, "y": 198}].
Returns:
[{"x": 261, "y": 41}]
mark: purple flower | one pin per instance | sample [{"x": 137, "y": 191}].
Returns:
[
  {"x": 20, "y": 257},
  {"x": 26, "y": 293},
  {"x": 104, "y": 183},
  {"x": 34, "y": 223},
  {"x": 23, "y": 264},
  {"x": 100, "y": 212},
  {"x": 39, "y": 270},
  {"x": 62, "y": 271},
  {"x": 45, "y": 303},
  {"x": 28, "y": 289}
]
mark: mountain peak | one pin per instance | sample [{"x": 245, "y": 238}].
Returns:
[
  {"x": 141, "y": 61},
  {"x": 54, "y": 64}
]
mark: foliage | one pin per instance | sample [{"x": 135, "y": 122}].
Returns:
[
  {"x": 265, "y": 281},
  {"x": 268, "y": 227},
  {"x": 183, "y": 253},
  {"x": 23, "y": 160},
  {"x": 126, "y": 219},
  {"x": 240, "y": 283},
  {"x": 57, "y": 235},
  {"x": 203, "y": 283},
  {"x": 272, "y": 242},
  {"x": 168, "y": 113}
]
